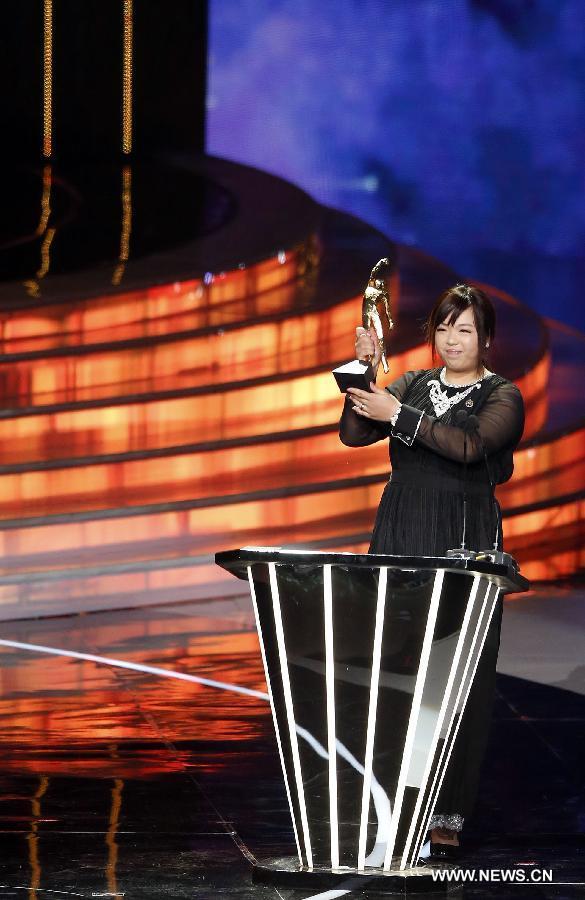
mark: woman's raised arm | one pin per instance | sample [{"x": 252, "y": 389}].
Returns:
[
  {"x": 500, "y": 424},
  {"x": 357, "y": 431}
]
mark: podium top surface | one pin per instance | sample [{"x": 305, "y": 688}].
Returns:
[{"x": 506, "y": 577}]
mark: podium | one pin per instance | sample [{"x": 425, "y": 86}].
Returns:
[{"x": 369, "y": 660}]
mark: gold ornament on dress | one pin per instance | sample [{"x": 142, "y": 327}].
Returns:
[{"x": 376, "y": 307}]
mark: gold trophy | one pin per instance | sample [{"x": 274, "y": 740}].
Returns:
[
  {"x": 375, "y": 314},
  {"x": 376, "y": 307}
]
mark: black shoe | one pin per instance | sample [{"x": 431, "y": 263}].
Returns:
[{"x": 445, "y": 852}]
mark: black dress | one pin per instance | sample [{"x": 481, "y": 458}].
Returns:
[{"x": 421, "y": 514}]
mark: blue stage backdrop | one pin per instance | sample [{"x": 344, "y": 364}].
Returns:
[{"x": 453, "y": 125}]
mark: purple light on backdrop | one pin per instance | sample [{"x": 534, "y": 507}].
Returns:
[{"x": 455, "y": 126}]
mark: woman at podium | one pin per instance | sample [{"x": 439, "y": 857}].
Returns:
[{"x": 443, "y": 424}]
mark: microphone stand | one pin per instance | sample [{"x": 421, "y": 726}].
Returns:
[
  {"x": 472, "y": 426},
  {"x": 494, "y": 555},
  {"x": 461, "y": 419}
]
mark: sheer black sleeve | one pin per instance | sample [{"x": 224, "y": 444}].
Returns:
[
  {"x": 355, "y": 431},
  {"x": 501, "y": 423}
]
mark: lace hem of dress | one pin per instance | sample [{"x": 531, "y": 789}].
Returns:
[{"x": 453, "y": 823}]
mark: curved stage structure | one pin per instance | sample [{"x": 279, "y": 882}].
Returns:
[{"x": 163, "y": 401}]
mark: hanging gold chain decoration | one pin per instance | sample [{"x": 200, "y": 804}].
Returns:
[
  {"x": 45, "y": 199},
  {"x": 126, "y": 228},
  {"x": 33, "y": 285},
  {"x": 127, "y": 55},
  {"x": 47, "y": 77}
]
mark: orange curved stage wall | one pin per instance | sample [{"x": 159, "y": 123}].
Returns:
[
  {"x": 298, "y": 402},
  {"x": 124, "y": 491},
  {"x": 265, "y": 288},
  {"x": 260, "y": 350},
  {"x": 540, "y": 473}
]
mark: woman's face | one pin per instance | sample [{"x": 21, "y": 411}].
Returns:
[{"x": 456, "y": 343}]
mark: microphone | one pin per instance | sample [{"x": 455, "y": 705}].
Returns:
[{"x": 461, "y": 420}]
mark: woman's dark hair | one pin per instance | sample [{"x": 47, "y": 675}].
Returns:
[{"x": 449, "y": 307}]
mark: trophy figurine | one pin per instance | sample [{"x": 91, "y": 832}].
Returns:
[
  {"x": 376, "y": 314},
  {"x": 376, "y": 307}
]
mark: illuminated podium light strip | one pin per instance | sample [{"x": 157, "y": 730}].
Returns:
[
  {"x": 464, "y": 690},
  {"x": 161, "y": 309},
  {"x": 274, "y": 719},
  {"x": 330, "y": 706},
  {"x": 463, "y": 686},
  {"x": 413, "y": 717},
  {"x": 371, "y": 722},
  {"x": 290, "y": 714},
  {"x": 306, "y": 401},
  {"x": 446, "y": 701}
]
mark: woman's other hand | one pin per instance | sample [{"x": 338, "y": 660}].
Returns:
[
  {"x": 367, "y": 346},
  {"x": 378, "y": 405}
]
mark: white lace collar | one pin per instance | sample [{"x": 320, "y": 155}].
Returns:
[
  {"x": 443, "y": 377},
  {"x": 442, "y": 401}
]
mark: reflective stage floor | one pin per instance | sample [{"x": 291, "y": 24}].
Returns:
[{"x": 150, "y": 771}]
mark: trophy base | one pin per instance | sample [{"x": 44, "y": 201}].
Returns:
[{"x": 355, "y": 374}]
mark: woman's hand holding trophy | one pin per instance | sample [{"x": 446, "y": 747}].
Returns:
[
  {"x": 373, "y": 335},
  {"x": 367, "y": 346}
]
